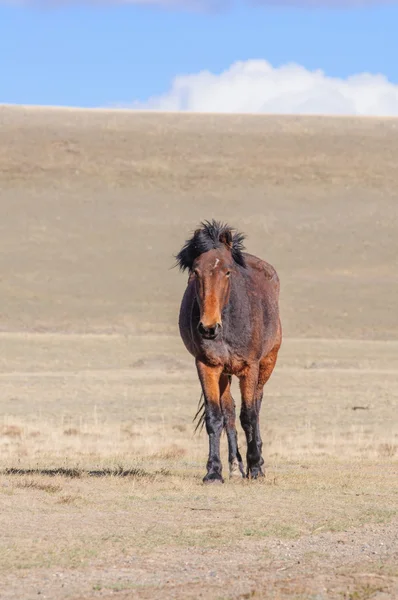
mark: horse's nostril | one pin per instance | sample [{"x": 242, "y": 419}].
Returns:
[
  {"x": 201, "y": 329},
  {"x": 209, "y": 332}
]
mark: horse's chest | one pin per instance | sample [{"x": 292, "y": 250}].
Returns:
[
  {"x": 235, "y": 366},
  {"x": 222, "y": 355},
  {"x": 215, "y": 354}
]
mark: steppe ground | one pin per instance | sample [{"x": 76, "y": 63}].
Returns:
[{"x": 100, "y": 485}]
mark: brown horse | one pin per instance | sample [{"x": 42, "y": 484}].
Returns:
[{"x": 229, "y": 321}]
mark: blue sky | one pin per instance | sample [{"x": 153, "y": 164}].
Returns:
[{"x": 80, "y": 55}]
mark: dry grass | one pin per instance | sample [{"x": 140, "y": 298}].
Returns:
[
  {"x": 167, "y": 533},
  {"x": 101, "y": 476},
  {"x": 103, "y": 488}
]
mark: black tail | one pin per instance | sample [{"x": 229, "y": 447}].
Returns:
[{"x": 200, "y": 414}]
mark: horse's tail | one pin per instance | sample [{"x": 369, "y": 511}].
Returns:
[{"x": 200, "y": 414}]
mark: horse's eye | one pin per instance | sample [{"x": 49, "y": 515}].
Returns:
[
  {"x": 196, "y": 273},
  {"x": 228, "y": 273}
]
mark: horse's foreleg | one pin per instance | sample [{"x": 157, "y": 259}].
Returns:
[
  {"x": 210, "y": 378},
  {"x": 236, "y": 467}
]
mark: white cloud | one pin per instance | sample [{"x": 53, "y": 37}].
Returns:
[{"x": 255, "y": 86}]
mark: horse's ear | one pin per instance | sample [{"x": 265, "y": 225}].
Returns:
[{"x": 226, "y": 238}]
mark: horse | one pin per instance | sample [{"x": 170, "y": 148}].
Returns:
[{"x": 229, "y": 322}]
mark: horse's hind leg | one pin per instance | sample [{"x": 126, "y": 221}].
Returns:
[
  {"x": 249, "y": 416},
  {"x": 236, "y": 467},
  {"x": 252, "y": 384},
  {"x": 267, "y": 365}
]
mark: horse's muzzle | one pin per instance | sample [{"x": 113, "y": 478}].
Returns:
[{"x": 209, "y": 333}]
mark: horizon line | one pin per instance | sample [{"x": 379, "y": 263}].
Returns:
[{"x": 102, "y": 109}]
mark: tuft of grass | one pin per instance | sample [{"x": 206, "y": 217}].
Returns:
[
  {"x": 68, "y": 499},
  {"x": 274, "y": 530},
  {"x": 388, "y": 449},
  {"x": 133, "y": 473},
  {"x": 71, "y": 431},
  {"x": 180, "y": 428},
  {"x": 44, "y": 486},
  {"x": 363, "y": 592},
  {"x": 170, "y": 453},
  {"x": 117, "y": 586},
  {"x": 12, "y": 431}
]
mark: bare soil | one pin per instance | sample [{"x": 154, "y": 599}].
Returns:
[{"x": 101, "y": 490}]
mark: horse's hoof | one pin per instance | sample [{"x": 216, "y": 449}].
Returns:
[
  {"x": 255, "y": 473},
  {"x": 236, "y": 470},
  {"x": 213, "y": 478}
]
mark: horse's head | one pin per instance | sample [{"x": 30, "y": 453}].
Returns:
[
  {"x": 212, "y": 255},
  {"x": 211, "y": 273}
]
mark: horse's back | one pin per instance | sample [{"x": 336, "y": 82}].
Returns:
[{"x": 264, "y": 272}]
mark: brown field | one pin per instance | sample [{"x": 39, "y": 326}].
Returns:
[{"x": 100, "y": 483}]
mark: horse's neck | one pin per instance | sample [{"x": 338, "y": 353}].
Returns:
[{"x": 237, "y": 310}]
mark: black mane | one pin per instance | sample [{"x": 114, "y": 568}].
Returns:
[{"x": 211, "y": 235}]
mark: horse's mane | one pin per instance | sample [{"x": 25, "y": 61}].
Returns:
[{"x": 211, "y": 235}]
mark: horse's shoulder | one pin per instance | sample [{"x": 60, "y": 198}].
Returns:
[{"x": 261, "y": 266}]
